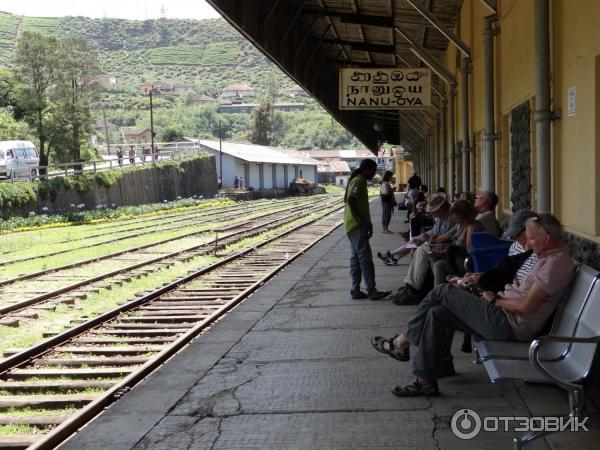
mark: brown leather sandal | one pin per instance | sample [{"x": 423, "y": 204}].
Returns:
[
  {"x": 396, "y": 353},
  {"x": 417, "y": 389}
]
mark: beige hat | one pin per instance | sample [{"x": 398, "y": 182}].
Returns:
[{"x": 436, "y": 203}]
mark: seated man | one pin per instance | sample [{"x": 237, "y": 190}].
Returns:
[
  {"x": 485, "y": 204},
  {"x": 518, "y": 313},
  {"x": 439, "y": 208}
]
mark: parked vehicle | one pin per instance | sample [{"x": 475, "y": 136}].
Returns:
[{"x": 18, "y": 159}]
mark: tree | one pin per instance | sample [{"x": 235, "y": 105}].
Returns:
[
  {"x": 35, "y": 62},
  {"x": 262, "y": 124},
  {"x": 75, "y": 87}
]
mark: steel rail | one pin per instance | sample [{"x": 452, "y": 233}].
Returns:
[
  {"x": 210, "y": 246},
  {"x": 73, "y": 423},
  {"x": 132, "y": 236},
  {"x": 132, "y": 250}
]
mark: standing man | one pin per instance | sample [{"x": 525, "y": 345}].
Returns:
[{"x": 358, "y": 227}]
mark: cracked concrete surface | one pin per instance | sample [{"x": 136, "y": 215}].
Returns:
[{"x": 292, "y": 368}]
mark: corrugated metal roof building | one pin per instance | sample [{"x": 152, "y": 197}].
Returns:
[{"x": 260, "y": 166}]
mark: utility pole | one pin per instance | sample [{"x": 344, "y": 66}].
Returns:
[
  {"x": 220, "y": 153},
  {"x": 106, "y": 131},
  {"x": 151, "y": 124}
]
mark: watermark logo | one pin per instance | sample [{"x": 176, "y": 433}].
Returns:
[{"x": 467, "y": 424}]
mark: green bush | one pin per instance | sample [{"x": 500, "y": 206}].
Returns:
[{"x": 24, "y": 193}]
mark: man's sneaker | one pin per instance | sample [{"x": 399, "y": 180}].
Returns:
[
  {"x": 390, "y": 261},
  {"x": 406, "y": 295},
  {"x": 384, "y": 255},
  {"x": 361, "y": 295}
]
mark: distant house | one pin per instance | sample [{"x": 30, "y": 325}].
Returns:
[
  {"x": 145, "y": 88},
  {"x": 226, "y": 106},
  {"x": 238, "y": 92},
  {"x": 99, "y": 126},
  {"x": 165, "y": 88},
  {"x": 297, "y": 91},
  {"x": 104, "y": 80},
  {"x": 136, "y": 136},
  {"x": 203, "y": 100},
  {"x": 333, "y": 172}
]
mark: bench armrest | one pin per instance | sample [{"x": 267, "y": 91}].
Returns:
[
  {"x": 534, "y": 356},
  {"x": 570, "y": 339}
]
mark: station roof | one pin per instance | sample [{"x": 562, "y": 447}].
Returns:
[
  {"x": 258, "y": 153},
  {"x": 311, "y": 39}
]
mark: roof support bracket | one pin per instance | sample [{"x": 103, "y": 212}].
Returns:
[
  {"x": 428, "y": 58},
  {"x": 464, "y": 48}
]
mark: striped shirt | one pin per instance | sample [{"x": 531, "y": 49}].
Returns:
[{"x": 515, "y": 249}]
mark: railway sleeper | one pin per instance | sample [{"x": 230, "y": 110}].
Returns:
[
  {"x": 182, "y": 327},
  {"x": 33, "y": 421},
  {"x": 125, "y": 341},
  {"x": 194, "y": 317},
  {"x": 20, "y": 442},
  {"x": 57, "y": 386},
  {"x": 90, "y": 361},
  {"x": 139, "y": 333},
  {"x": 104, "y": 372},
  {"x": 45, "y": 401}
]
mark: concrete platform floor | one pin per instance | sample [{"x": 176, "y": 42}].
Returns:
[{"x": 292, "y": 368}]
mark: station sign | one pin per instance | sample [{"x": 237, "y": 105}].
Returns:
[{"x": 385, "y": 88}]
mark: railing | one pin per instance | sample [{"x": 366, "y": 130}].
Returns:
[{"x": 77, "y": 168}]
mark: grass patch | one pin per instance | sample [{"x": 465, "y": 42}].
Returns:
[
  {"x": 7, "y": 430},
  {"x": 221, "y": 54},
  {"x": 185, "y": 55}
]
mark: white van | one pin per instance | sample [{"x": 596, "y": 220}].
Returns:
[{"x": 18, "y": 159}]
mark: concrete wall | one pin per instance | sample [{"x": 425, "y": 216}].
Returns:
[{"x": 152, "y": 185}]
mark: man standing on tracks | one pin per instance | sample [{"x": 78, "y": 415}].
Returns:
[{"x": 358, "y": 227}]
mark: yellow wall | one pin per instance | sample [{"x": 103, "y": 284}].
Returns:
[
  {"x": 576, "y": 155},
  {"x": 575, "y": 62},
  {"x": 517, "y": 80}
]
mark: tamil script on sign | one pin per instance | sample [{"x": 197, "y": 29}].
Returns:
[{"x": 385, "y": 88}]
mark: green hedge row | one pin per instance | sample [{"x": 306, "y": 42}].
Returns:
[{"x": 24, "y": 193}]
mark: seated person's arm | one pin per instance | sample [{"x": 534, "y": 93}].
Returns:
[
  {"x": 523, "y": 305},
  {"x": 441, "y": 238}
]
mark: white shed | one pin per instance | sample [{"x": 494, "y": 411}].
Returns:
[{"x": 261, "y": 167}]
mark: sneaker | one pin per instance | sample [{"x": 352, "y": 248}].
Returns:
[
  {"x": 379, "y": 295},
  {"x": 361, "y": 295},
  {"x": 405, "y": 296},
  {"x": 384, "y": 255}
]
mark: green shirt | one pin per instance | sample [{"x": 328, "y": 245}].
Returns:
[{"x": 357, "y": 189}]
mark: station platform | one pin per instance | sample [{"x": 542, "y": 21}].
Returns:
[{"x": 292, "y": 368}]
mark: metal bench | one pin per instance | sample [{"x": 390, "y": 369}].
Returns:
[{"x": 563, "y": 357}]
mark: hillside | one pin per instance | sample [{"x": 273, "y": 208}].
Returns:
[
  {"x": 205, "y": 54},
  {"x": 208, "y": 54}
]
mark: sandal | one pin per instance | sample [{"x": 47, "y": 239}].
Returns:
[
  {"x": 417, "y": 389},
  {"x": 396, "y": 353}
]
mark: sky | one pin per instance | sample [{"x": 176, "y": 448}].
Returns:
[{"x": 121, "y": 9}]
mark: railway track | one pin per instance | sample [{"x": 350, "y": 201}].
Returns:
[
  {"x": 73, "y": 281},
  {"x": 65, "y": 381},
  {"x": 189, "y": 221}
]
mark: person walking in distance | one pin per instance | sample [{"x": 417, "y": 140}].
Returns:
[
  {"x": 132, "y": 155},
  {"x": 359, "y": 229}
]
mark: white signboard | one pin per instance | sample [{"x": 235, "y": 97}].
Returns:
[
  {"x": 571, "y": 101},
  {"x": 385, "y": 88}
]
